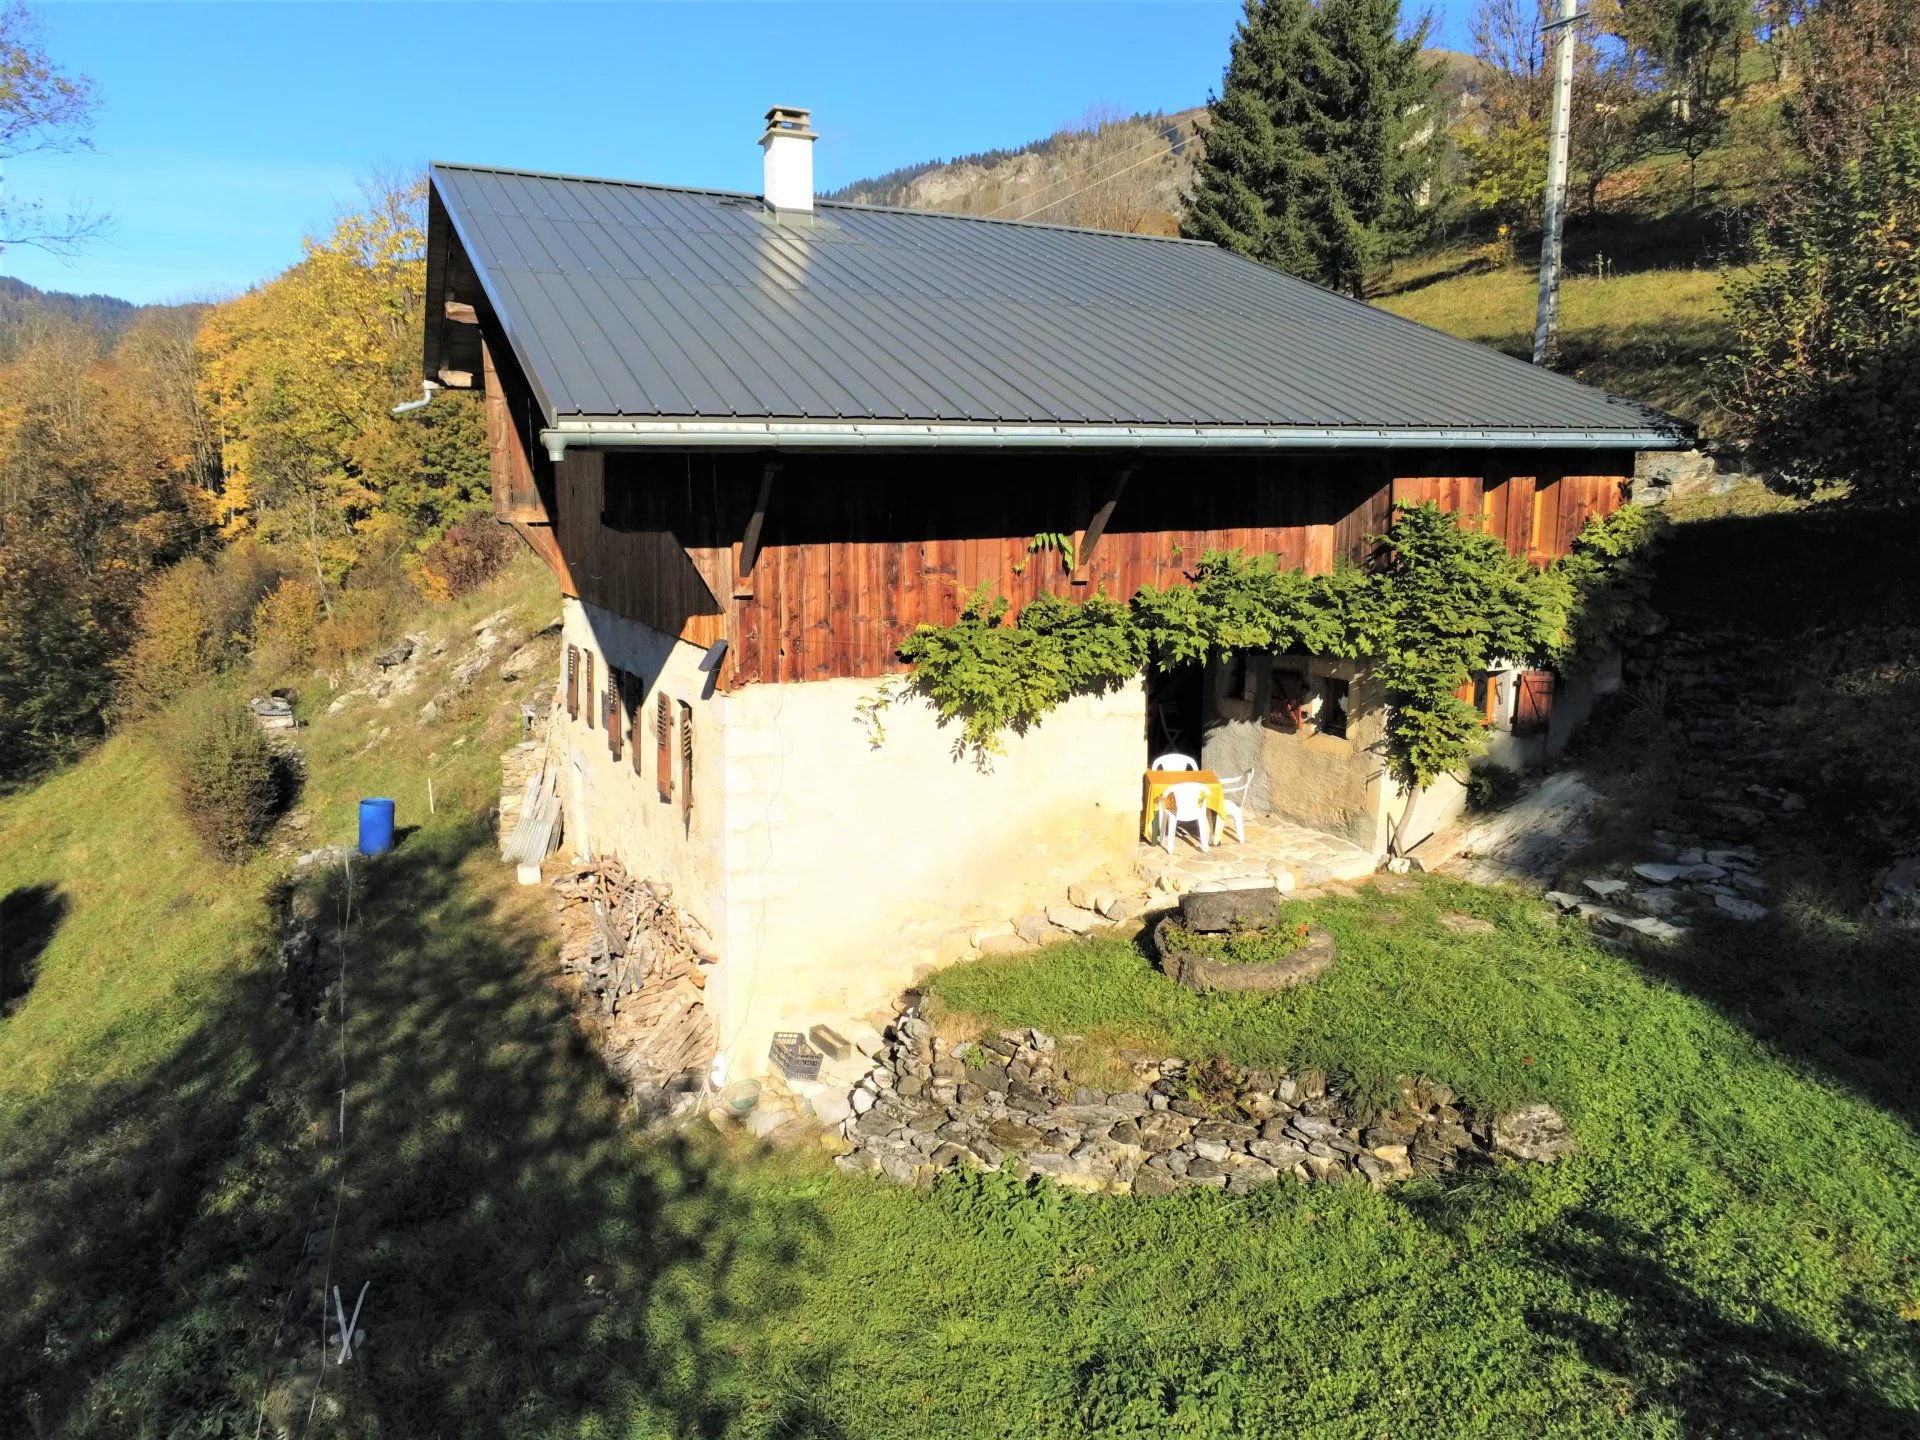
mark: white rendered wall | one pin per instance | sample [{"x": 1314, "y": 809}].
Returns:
[
  {"x": 611, "y": 811},
  {"x": 850, "y": 867}
]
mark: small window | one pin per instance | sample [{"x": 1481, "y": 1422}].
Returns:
[
  {"x": 1286, "y": 706},
  {"x": 663, "y": 746},
  {"x": 610, "y": 709},
  {"x": 1330, "y": 715},
  {"x": 635, "y": 693},
  {"x": 686, "y": 760},
  {"x": 573, "y": 682},
  {"x": 1533, "y": 706}
]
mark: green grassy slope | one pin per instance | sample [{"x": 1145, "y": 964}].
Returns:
[{"x": 1732, "y": 1254}]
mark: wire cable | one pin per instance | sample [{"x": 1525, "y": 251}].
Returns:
[{"x": 1157, "y": 140}]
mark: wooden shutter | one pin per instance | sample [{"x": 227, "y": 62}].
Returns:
[
  {"x": 663, "y": 746},
  {"x": 686, "y": 760},
  {"x": 573, "y": 682},
  {"x": 586, "y": 683},
  {"x": 634, "y": 696},
  {"x": 1534, "y": 704},
  {"x": 616, "y": 683}
]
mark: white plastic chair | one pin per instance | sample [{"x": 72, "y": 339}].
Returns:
[
  {"x": 1233, "y": 792},
  {"x": 1163, "y": 716},
  {"x": 1189, "y": 808},
  {"x": 1174, "y": 760}
]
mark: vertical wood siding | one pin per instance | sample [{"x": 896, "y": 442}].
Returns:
[{"x": 858, "y": 550}]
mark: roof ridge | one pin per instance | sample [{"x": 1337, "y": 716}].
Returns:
[{"x": 819, "y": 204}]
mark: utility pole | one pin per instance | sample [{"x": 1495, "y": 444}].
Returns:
[{"x": 1546, "y": 323}]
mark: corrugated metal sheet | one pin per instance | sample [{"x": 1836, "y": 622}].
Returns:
[{"x": 625, "y": 300}]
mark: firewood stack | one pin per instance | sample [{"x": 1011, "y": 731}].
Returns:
[{"x": 642, "y": 979}]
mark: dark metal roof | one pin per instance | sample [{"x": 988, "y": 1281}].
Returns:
[{"x": 628, "y": 300}]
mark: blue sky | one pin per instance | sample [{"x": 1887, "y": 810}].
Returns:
[{"x": 226, "y": 132}]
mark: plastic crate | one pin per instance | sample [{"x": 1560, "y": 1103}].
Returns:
[{"x": 793, "y": 1057}]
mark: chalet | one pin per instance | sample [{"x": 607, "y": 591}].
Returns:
[{"x": 760, "y": 438}]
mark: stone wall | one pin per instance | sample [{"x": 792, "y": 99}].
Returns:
[{"x": 1016, "y": 1101}]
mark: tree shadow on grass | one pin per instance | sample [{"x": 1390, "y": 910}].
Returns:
[
  {"x": 1721, "y": 1376},
  {"x": 29, "y": 917},
  {"x": 528, "y": 1261}
]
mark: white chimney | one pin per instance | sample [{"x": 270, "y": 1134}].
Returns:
[{"x": 789, "y": 147}]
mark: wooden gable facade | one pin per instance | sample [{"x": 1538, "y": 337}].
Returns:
[{"x": 815, "y": 566}]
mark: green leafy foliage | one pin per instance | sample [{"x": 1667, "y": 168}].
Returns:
[
  {"x": 1443, "y": 603},
  {"x": 1609, "y": 575},
  {"x": 994, "y": 677},
  {"x": 231, "y": 784},
  {"x": 1244, "y": 944},
  {"x": 1824, "y": 376}
]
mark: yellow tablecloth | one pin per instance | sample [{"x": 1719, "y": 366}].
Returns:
[{"x": 1158, "y": 782}]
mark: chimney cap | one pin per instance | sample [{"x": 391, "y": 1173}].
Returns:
[{"x": 791, "y": 120}]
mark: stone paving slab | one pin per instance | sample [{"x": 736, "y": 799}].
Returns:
[{"x": 1290, "y": 854}]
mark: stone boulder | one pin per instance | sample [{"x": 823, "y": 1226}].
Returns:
[{"x": 1536, "y": 1133}]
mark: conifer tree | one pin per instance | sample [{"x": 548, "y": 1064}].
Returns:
[
  {"x": 1251, "y": 182},
  {"x": 1320, "y": 142},
  {"x": 1374, "y": 123}
]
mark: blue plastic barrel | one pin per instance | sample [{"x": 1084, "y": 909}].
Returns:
[{"x": 376, "y": 827}]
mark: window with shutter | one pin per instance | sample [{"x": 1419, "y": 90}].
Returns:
[
  {"x": 573, "y": 682},
  {"x": 586, "y": 683},
  {"x": 610, "y": 718},
  {"x": 1533, "y": 706},
  {"x": 635, "y": 693},
  {"x": 663, "y": 747},
  {"x": 686, "y": 760}
]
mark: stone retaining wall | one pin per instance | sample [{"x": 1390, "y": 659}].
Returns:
[{"x": 1014, "y": 1101}]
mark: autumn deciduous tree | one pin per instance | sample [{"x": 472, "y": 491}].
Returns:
[
  {"x": 98, "y": 489},
  {"x": 299, "y": 377},
  {"x": 43, "y": 110}
]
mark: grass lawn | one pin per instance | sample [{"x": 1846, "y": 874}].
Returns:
[
  {"x": 1651, "y": 334},
  {"x": 1733, "y": 1254}
]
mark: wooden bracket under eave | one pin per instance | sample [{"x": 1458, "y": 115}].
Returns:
[
  {"x": 747, "y": 552},
  {"x": 1087, "y": 539}
]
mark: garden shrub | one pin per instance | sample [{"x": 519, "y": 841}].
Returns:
[
  {"x": 230, "y": 781},
  {"x": 193, "y": 623},
  {"x": 465, "y": 557}
]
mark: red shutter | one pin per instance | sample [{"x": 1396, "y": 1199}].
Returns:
[
  {"x": 1534, "y": 704},
  {"x": 663, "y": 746}
]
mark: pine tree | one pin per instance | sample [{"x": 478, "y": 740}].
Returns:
[
  {"x": 1320, "y": 142},
  {"x": 1251, "y": 181},
  {"x": 1373, "y": 126}
]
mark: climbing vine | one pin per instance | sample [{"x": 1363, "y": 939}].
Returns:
[{"x": 1439, "y": 604}]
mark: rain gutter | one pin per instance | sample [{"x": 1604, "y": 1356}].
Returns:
[{"x": 893, "y": 435}]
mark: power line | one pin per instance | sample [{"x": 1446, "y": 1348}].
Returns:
[{"x": 1156, "y": 141}]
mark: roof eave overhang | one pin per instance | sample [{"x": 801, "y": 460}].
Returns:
[{"x": 695, "y": 434}]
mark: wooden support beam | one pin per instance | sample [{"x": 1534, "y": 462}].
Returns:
[
  {"x": 1097, "y": 526},
  {"x": 457, "y": 379},
  {"x": 748, "y": 550},
  {"x": 462, "y": 313}
]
